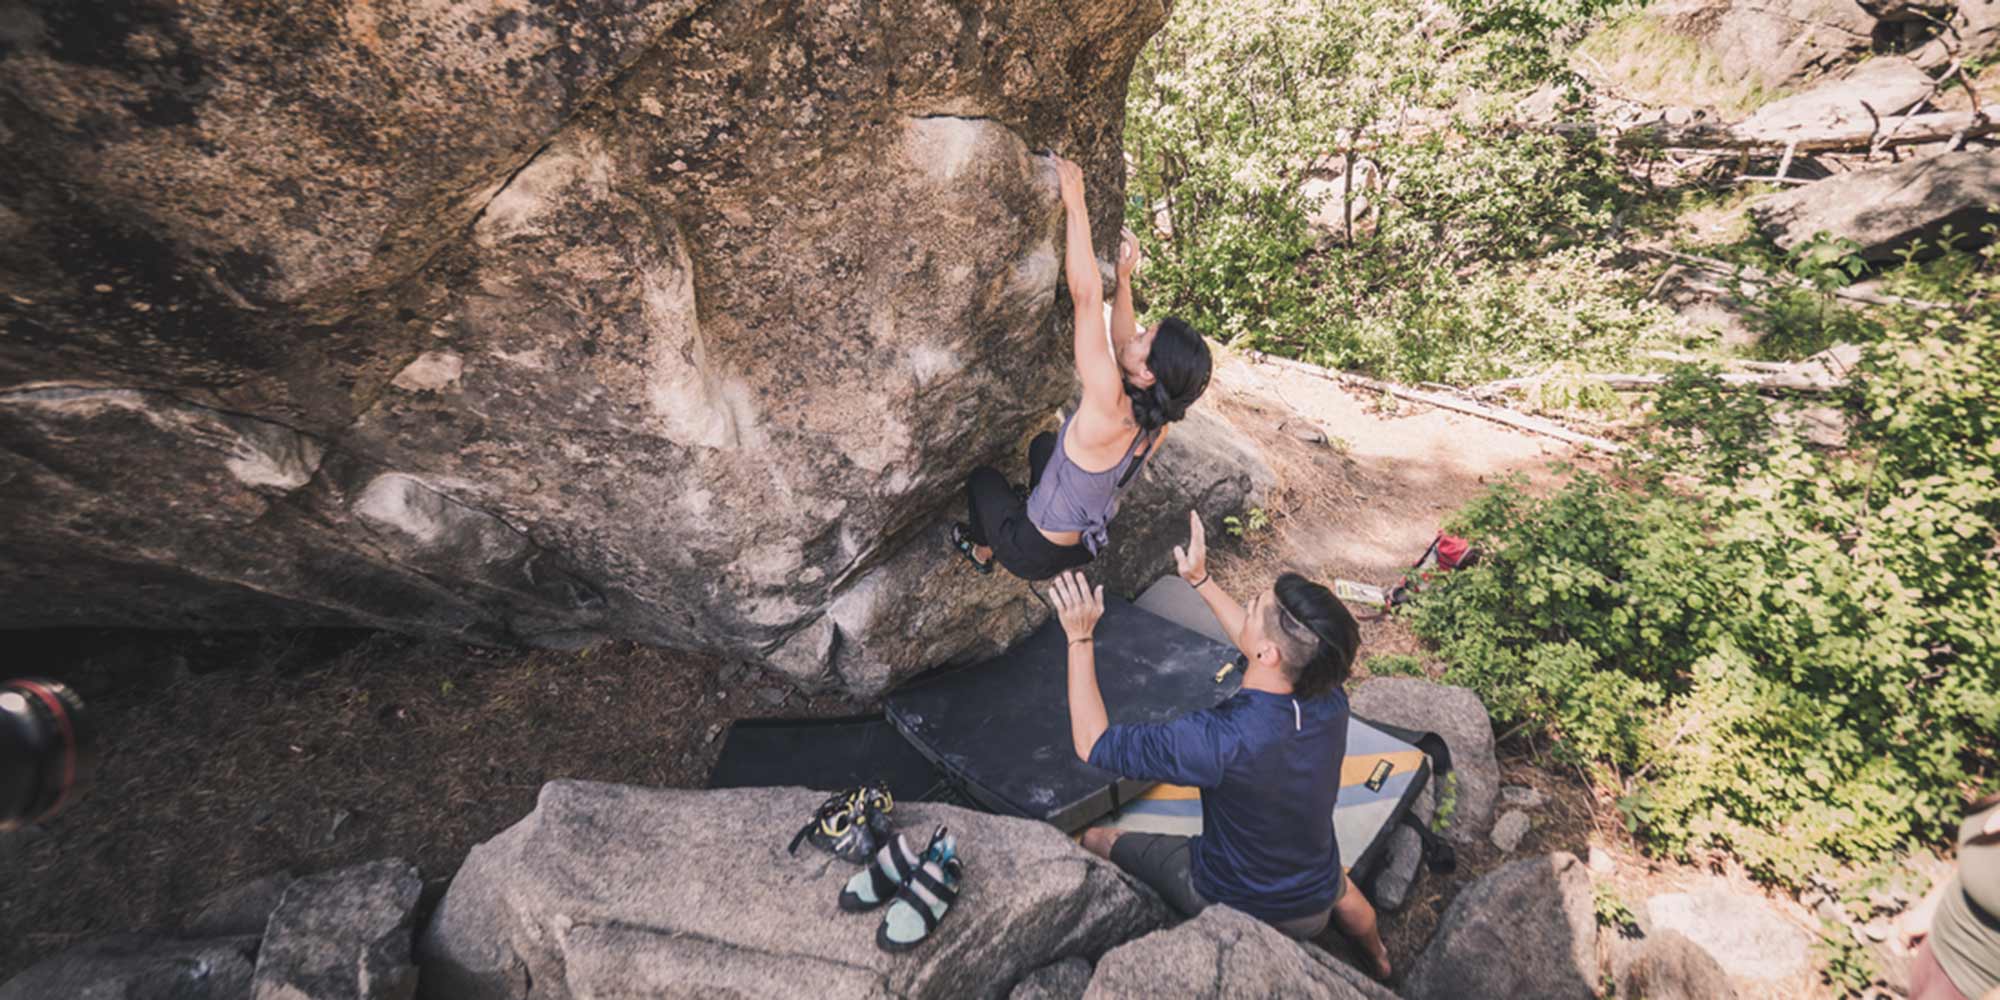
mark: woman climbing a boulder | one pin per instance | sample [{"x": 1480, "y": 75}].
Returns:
[{"x": 1135, "y": 383}]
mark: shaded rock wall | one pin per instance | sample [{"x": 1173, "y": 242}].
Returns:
[{"x": 673, "y": 321}]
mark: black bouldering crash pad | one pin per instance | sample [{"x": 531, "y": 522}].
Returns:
[
  {"x": 999, "y": 729},
  {"x": 827, "y": 754}
]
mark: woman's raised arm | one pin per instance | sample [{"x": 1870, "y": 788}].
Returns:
[{"x": 1102, "y": 385}]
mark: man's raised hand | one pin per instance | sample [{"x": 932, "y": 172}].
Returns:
[
  {"x": 1077, "y": 606},
  {"x": 1192, "y": 561}
]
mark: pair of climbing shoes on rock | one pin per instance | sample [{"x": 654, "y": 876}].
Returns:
[{"x": 919, "y": 888}]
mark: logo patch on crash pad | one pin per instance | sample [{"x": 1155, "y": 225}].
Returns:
[{"x": 1379, "y": 775}]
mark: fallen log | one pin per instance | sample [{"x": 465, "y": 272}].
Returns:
[
  {"x": 1747, "y": 364},
  {"x": 1499, "y": 415},
  {"x": 1793, "y": 383},
  {"x": 1747, "y": 273},
  {"x": 1913, "y": 130}
]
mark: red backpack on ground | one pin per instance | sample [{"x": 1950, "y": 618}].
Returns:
[{"x": 1447, "y": 553}]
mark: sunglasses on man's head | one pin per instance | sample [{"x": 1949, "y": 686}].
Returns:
[{"x": 1293, "y": 627}]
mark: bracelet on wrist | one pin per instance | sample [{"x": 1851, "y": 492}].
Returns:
[
  {"x": 1197, "y": 584},
  {"x": 1075, "y": 641}
]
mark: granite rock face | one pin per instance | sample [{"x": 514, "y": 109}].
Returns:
[
  {"x": 612, "y": 890},
  {"x": 342, "y": 935},
  {"x": 1888, "y": 84},
  {"x": 1457, "y": 715},
  {"x": 1064, "y": 980},
  {"x": 1748, "y": 937},
  {"x": 1225, "y": 953},
  {"x": 1670, "y": 967},
  {"x": 1771, "y": 44},
  {"x": 1526, "y": 929},
  {"x": 141, "y": 967},
  {"x": 673, "y": 321},
  {"x": 1883, "y": 209}
]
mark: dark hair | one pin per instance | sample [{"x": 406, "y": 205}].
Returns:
[
  {"x": 1180, "y": 364},
  {"x": 1322, "y": 663}
]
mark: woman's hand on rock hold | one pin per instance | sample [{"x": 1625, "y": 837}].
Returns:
[
  {"x": 1192, "y": 561},
  {"x": 1077, "y": 606},
  {"x": 1128, "y": 253},
  {"x": 1069, "y": 178}
]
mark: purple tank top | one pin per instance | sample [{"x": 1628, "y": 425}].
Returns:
[{"x": 1070, "y": 499}]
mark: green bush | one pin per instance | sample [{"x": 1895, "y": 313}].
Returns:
[
  {"x": 1393, "y": 665},
  {"x": 1783, "y": 652}
]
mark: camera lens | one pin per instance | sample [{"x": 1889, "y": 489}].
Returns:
[{"x": 45, "y": 750}]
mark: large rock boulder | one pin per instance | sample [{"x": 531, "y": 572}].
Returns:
[
  {"x": 1526, "y": 929},
  {"x": 652, "y": 319},
  {"x": 1885, "y": 208},
  {"x": 1064, "y": 980},
  {"x": 1457, "y": 715},
  {"x": 1225, "y": 953},
  {"x": 1740, "y": 929},
  {"x": 1668, "y": 966},
  {"x": 343, "y": 935},
  {"x": 1971, "y": 32},
  {"x": 607, "y": 889},
  {"x": 1770, "y": 45},
  {"x": 1888, "y": 84},
  {"x": 134, "y": 967}
]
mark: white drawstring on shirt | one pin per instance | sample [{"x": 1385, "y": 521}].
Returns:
[{"x": 1297, "y": 723}]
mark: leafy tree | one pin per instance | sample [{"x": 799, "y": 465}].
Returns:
[
  {"x": 1246, "y": 120},
  {"x": 1777, "y": 650}
]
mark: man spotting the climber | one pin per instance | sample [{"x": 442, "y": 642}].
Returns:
[{"x": 1267, "y": 761}]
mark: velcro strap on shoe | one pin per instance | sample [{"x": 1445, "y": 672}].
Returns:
[
  {"x": 909, "y": 894},
  {"x": 927, "y": 886},
  {"x": 893, "y": 864}
]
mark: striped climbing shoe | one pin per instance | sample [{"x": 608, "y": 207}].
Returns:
[
  {"x": 921, "y": 902},
  {"x": 886, "y": 872}
]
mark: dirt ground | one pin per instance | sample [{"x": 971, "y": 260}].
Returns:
[
  {"x": 1364, "y": 504},
  {"x": 224, "y": 758},
  {"x": 229, "y": 757}
]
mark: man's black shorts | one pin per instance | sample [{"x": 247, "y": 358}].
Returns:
[{"x": 1161, "y": 861}]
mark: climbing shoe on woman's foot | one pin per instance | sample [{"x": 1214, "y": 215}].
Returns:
[
  {"x": 962, "y": 541},
  {"x": 886, "y": 872},
  {"x": 921, "y": 902}
]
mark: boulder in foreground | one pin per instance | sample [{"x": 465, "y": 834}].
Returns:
[
  {"x": 1671, "y": 967},
  {"x": 137, "y": 967},
  {"x": 1527, "y": 929},
  {"x": 343, "y": 935},
  {"x": 1226, "y": 953},
  {"x": 616, "y": 890},
  {"x": 1745, "y": 934},
  {"x": 1457, "y": 715}
]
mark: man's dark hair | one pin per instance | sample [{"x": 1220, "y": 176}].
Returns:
[{"x": 1316, "y": 636}]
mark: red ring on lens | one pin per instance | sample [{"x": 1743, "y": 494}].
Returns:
[{"x": 69, "y": 743}]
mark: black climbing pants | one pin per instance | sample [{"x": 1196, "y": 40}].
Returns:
[{"x": 999, "y": 518}]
